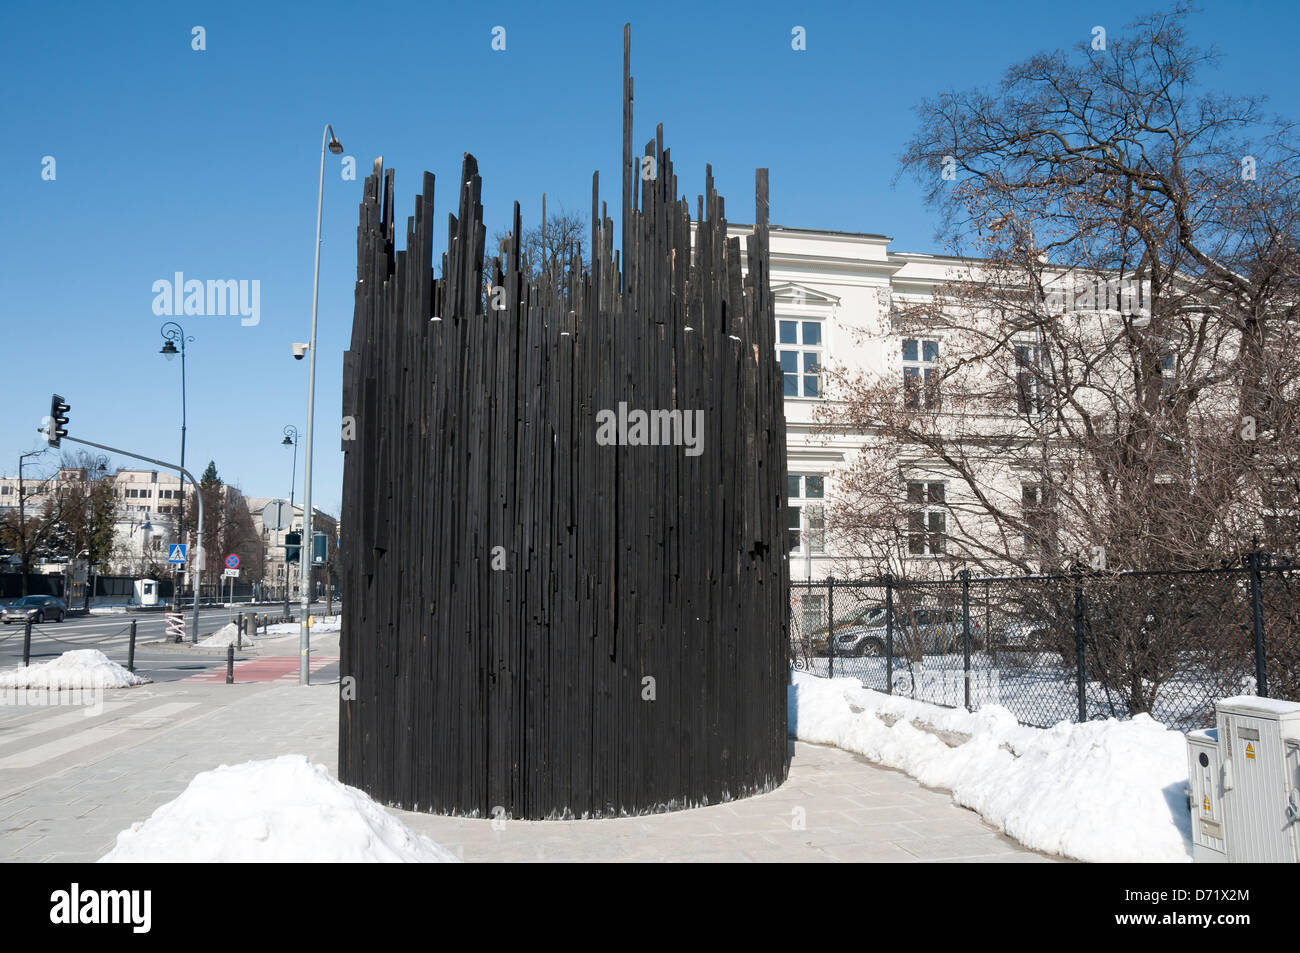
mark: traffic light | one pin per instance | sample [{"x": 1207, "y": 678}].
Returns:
[
  {"x": 58, "y": 421},
  {"x": 319, "y": 548},
  {"x": 292, "y": 545}
]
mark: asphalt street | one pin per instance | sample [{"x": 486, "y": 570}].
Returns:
[{"x": 111, "y": 635}]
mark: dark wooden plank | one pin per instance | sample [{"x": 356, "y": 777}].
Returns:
[{"x": 520, "y": 688}]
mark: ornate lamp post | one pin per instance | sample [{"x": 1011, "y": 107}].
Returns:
[
  {"x": 290, "y": 440},
  {"x": 173, "y": 333}
]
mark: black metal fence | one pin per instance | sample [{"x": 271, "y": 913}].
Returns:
[{"x": 1056, "y": 647}]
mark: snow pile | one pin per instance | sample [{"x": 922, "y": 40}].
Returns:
[
  {"x": 222, "y": 637},
  {"x": 80, "y": 668},
  {"x": 107, "y": 610},
  {"x": 1104, "y": 791},
  {"x": 319, "y": 625},
  {"x": 286, "y": 810}
]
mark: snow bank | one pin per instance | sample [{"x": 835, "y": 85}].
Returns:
[
  {"x": 284, "y": 810},
  {"x": 223, "y": 636},
  {"x": 107, "y": 610},
  {"x": 80, "y": 668},
  {"x": 1104, "y": 791}
]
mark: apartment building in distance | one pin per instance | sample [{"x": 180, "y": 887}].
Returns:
[{"x": 276, "y": 571}]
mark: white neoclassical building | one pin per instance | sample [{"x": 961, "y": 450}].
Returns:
[{"x": 835, "y": 295}]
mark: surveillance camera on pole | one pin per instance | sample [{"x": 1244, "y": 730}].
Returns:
[{"x": 300, "y": 349}]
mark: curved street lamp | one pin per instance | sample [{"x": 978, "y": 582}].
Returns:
[
  {"x": 173, "y": 333},
  {"x": 291, "y": 440},
  {"x": 304, "y": 553}
]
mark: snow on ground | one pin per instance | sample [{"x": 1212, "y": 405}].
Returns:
[
  {"x": 107, "y": 610},
  {"x": 80, "y": 668},
  {"x": 283, "y": 810},
  {"x": 320, "y": 624},
  {"x": 1035, "y": 686},
  {"x": 223, "y": 636},
  {"x": 1102, "y": 791}
]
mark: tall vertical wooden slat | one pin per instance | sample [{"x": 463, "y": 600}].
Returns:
[{"x": 516, "y": 679}]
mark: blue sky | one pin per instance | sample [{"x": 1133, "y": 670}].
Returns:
[{"x": 168, "y": 160}]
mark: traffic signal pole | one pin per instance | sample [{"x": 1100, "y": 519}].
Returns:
[{"x": 198, "y": 535}]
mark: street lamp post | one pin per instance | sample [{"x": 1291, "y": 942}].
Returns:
[
  {"x": 173, "y": 332},
  {"x": 98, "y": 471},
  {"x": 22, "y": 517},
  {"x": 290, "y": 440},
  {"x": 304, "y": 551}
]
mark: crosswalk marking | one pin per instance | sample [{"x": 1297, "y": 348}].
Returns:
[
  {"x": 40, "y": 725},
  {"x": 155, "y": 717}
]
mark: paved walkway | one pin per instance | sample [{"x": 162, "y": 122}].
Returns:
[{"x": 69, "y": 783}]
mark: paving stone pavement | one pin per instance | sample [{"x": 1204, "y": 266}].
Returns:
[{"x": 69, "y": 784}]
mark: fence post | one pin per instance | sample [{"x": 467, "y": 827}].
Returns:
[
  {"x": 27, "y": 642},
  {"x": 889, "y": 633},
  {"x": 989, "y": 644},
  {"x": 830, "y": 625},
  {"x": 1257, "y": 624},
  {"x": 130, "y": 651},
  {"x": 230, "y": 663},
  {"x": 965, "y": 627},
  {"x": 1081, "y": 675}
]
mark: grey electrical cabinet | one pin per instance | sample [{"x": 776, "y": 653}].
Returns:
[
  {"x": 1204, "y": 773},
  {"x": 1257, "y": 741}
]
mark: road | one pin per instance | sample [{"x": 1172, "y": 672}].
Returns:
[{"x": 111, "y": 635}]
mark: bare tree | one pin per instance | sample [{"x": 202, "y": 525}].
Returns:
[
  {"x": 228, "y": 527},
  {"x": 1108, "y": 375},
  {"x": 551, "y": 250},
  {"x": 1130, "y": 253}
]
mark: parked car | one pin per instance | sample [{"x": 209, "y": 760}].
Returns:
[
  {"x": 36, "y": 608},
  {"x": 926, "y": 630},
  {"x": 850, "y": 619},
  {"x": 1025, "y": 634}
]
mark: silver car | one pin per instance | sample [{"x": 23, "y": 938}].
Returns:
[
  {"x": 37, "y": 608},
  {"x": 929, "y": 630}
]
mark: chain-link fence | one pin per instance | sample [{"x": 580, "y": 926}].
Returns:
[{"x": 1061, "y": 647}]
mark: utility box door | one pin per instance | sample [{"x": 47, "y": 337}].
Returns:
[
  {"x": 1209, "y": 844},
  {"x": 1255, "y": 778},
  {"x": 1293, "y": 793}
]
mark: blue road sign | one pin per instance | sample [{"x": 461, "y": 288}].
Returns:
[
  {"x": 176, "y": 553},
  {"x": 232, "y": 561}
]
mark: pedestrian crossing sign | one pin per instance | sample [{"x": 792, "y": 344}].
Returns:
[{"x": 176, "y": 553}]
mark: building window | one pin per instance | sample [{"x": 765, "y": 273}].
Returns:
[
  {"x": 920, "y": 374},
  {"x": 799, "y": 348},
  {"x": 1168, "y": 372},
  {"x": 927, "y": 518},
  {"x": 1281, "y": 516},
  {"x": 813, "y": 612},
  {"x": 804, "y": 519},
  {"x": 1037, "y": 509},
  {"x": 1031, "y": 386}
]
